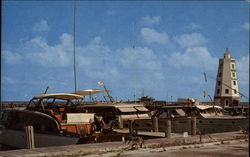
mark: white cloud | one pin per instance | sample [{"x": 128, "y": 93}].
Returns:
[
  {"x": 197, "y": 57},
  {"x": 243, "y": 70},
  {"x": 151, "y": 20},
  {"x": 94, "y": 59},
  {"x": 41, "y": 26},
  {"x": 245, "y": 26},
  {"x": 142, "y": 58},
  {"x": 143, "y": 66},
  {"x": 194, "y": 39},
  {"x": 195, "y": 26},
  {"x": 12, "y": 58},
  {"x": 152, "y": 36},
  {"x": 39, "y": 51}
]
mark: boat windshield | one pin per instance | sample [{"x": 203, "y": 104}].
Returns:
[{"x": 46, "y": 101}]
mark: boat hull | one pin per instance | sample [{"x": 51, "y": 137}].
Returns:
[
  {"x": 216, "y": 125},
  {"x": 205, "y": 125},
  {"x": 16, "y": 138}
]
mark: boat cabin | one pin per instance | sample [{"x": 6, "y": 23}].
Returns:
[
  {"x": 62, "y": 107},
  {"x": 205, "y": 111},
  {"x": 119, "y": 111}
]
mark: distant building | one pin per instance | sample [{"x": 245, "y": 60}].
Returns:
[{"x": 226, "y": 88}]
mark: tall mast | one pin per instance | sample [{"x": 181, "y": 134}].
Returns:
[
  {"x": 75, "y": 44},
  {"x": 134, "y": 54}
]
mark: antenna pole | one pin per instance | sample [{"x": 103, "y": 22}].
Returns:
[{"x": 75, "y": 44}]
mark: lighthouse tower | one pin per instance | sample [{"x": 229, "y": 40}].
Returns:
[{"x": 226, "y": 88}]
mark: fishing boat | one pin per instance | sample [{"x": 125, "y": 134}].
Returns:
[
  {"x": 55, "y": 119},
  {"x": 121, "y": 113},
  {"x": 212, "y": 119},
  {"x": 118, "y": 113},
  {"x": 209, "y": 118}
]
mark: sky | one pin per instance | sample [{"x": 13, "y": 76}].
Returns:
[{"x": 158, "y": 49}]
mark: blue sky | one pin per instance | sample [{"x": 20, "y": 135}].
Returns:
[{"x": 175, "y": 42}]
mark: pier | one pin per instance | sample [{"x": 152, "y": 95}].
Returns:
[{"x": 116, "y": 148}]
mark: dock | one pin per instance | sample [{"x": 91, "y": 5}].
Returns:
[{"x": 118, "y": 147}]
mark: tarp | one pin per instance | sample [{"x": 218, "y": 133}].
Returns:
[
  {"x": 64, "y": 96},
  {"x": 79, "y": 117}
]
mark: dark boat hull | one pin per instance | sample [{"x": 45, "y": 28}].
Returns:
[
  {"x": 216, "y": 125},
  {"x": 206, "y": 125},
  {"x": 16, "y": 138}
]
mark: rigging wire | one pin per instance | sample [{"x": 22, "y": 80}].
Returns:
[
  {"x": 241, "y": 94},
  {"x": 203, "y": 70},
  {"x": 205, "y": 76}
]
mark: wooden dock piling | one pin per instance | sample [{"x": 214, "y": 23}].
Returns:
[
  {"x": 193, "y": 126},
  {"x": 155, "y": 124},
  {"x": 168, "y": 129},
  {"x": 130, "y": 127},
  {"x": 120, "y": 122},
  {"x": 29, "y": 136}
]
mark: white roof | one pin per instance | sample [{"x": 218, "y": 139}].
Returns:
[
  {"x": 64, "y": 96},
  {"x": 89, "y": 91},
  {"x": 204, "y": 107}
]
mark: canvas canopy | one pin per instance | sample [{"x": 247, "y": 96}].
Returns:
[
  {"x": 180, "y": 112},
  {"x": 64, "y": 96},
  {"x": 135, "y": 116},
  {"x": 204, "y": 107},
  {"x": 127, "y": 109},
  {"x": 89, "y": 91},
  {"x": 141, "y": 108}
]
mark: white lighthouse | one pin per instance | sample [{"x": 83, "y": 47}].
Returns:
[{"x": 226, "y": 88}]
